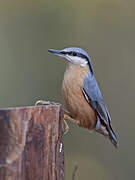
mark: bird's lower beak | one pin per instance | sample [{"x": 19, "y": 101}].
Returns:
[{"x": 56, "y": 52}]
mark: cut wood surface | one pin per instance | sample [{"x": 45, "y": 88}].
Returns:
[{"x": 31, "y": 143}]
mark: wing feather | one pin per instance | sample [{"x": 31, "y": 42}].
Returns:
[{"x": 95, "y": 99}]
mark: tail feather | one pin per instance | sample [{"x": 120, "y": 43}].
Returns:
[
  {"x": 108, "y": 131},
  {"x": 112, "y": 137}
]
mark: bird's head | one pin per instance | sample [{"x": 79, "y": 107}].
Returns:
[{"x": 73, "y": 55}]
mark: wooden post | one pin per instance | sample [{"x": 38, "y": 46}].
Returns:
[{"x": 31, "y": 143}]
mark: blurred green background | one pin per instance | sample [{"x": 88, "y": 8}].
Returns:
[{"x": 106, "y": 30}]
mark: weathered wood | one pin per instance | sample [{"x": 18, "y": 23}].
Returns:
[{"x": 31, "y": 143}]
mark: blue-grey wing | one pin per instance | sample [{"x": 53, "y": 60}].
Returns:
[{"x": 95, "y": 99}]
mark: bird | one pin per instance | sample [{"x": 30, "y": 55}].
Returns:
[{"x": 81, "y": 94}]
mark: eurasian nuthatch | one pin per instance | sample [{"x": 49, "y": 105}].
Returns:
[{"x": 82, "y": 95}]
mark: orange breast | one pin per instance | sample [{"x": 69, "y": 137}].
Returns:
[{"x": 74, "y": 99}]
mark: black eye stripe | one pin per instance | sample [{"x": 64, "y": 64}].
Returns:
[
  {"x": 63, "y": 52},
  {"x": 84, "y": 57},
  {"x": 72, "y": 53}
]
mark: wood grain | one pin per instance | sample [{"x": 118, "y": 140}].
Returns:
[{"x": 31, "y": 143}]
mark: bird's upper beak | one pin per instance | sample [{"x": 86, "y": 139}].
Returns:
[{"x": 56, "y": 52}]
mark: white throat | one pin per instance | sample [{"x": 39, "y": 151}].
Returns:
[{"x": 77, "y": 60}]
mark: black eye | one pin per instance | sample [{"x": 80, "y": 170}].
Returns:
[{"x": 72, "y": 53}]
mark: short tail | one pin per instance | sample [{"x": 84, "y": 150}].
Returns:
[
  {"x": 107, "y": 131},
  {"x": 112, "y": 137}
]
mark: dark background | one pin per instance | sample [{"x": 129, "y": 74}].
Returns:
[{"x": 106, "y": 30}]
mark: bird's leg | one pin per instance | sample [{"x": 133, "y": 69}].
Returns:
[
  {"x": 66, "y": 129},
  {"x": 68, "y": 117}
]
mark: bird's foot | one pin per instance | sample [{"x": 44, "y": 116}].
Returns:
[
  {"x": 66, "y": 129},
  {"x": 41, "y": 102},
  {"x": 68, "y": 117}
]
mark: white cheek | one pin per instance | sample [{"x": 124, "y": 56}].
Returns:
[{"x": 77, "y": 60}]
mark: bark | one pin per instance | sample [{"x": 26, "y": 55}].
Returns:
[{"x": 31, "y": 143}]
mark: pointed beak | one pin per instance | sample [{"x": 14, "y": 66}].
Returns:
[{"x": 56, "y": 52}]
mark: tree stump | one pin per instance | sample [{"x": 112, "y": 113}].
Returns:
[{"x": 31, "y": 143}]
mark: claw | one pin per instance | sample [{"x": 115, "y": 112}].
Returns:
[
  {"x": 41, "y": 102},
  {"x": 68, "y": 117},
  {"x": 66, "y": 127}
]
